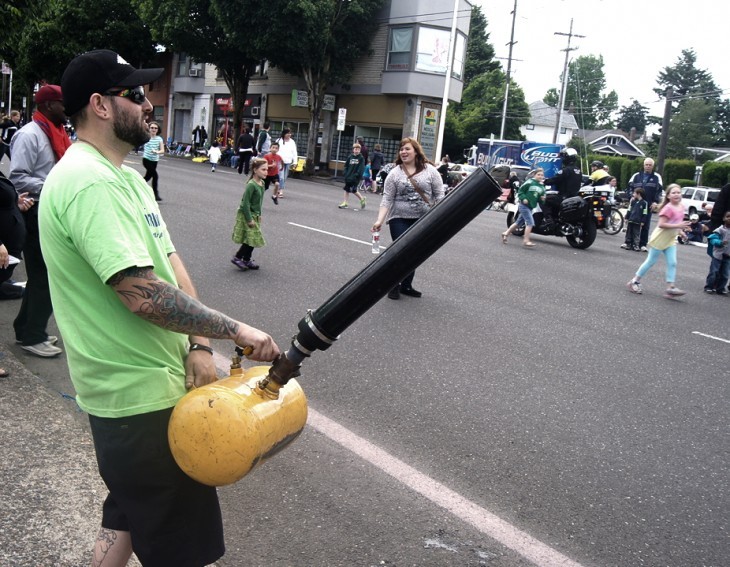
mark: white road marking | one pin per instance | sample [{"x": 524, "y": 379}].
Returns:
[
  {"x": 710, "y": 337},
  {"x": 343, "y": 237},
  {"x": 464, "y": 509},
  {"x": 486, "y": 522}
]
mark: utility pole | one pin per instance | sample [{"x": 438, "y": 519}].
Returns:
[
  {"x": 564, "y": 86},
  {"x": 665, "y": 132},
  {"x": 509, "y": 71}
]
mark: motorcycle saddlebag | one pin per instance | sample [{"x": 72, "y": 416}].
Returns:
[{"x": 573, "y": 209}]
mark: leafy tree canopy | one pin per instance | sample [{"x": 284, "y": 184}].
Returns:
[
  {"x": 633, "y": 116},
  {"x": 696, "y": 89},
  {"x": 479, "y": 113},
  {"x": 584, "y": 96},
  {"x": 686, "y": 80},
  {"x": 689, "y": 128},
  {"x": 479, "y": 52},
  {"x": 54, "y": 33},
  {"x": 319, "y": 40},
  {"x": 210, "y": 31}
]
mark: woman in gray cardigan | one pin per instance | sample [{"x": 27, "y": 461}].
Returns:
[{"x": 411, "y": 188}]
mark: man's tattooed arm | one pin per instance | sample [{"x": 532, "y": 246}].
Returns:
[{"x": 166, "y": 306}]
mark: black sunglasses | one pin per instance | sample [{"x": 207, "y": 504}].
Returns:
[{"x": 136, "y": 95}]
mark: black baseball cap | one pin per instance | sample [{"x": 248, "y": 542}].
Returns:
[{"x": 97, "y": 72}]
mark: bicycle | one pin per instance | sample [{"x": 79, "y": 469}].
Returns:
[{"x": 614, "y": 221}]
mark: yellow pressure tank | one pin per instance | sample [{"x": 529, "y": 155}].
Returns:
[{"x": 219, "y": 432}]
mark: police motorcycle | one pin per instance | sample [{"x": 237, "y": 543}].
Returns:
[
  {"x": 576, "y": 221},
  {"x": 576, "y": 217}
]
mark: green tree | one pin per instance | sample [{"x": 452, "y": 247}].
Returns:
[
  {"x": 723, "y": 124},
  {"x": 633, "y": 116},
  {"x": 687, "y": 81},
  {"x": 690, "y": 85},
  {"x": 552, "y": 97},
  {"x": 479, "y": 113},
  {"x": 15, "y": 14},
  {"x": 584, "y": 94},
  {"x": 688, "y": 128},
  {"x": 51, "y": 34},
  {"x": 211, "y": 31},
  {"x": 72, "y": 28},
  {"x": 479, "y": 52},
  {"x": 331, "y": 37}
]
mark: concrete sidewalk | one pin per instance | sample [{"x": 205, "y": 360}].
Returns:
[{"x": 51, "y": 497}]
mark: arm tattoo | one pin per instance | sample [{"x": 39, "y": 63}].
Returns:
[{"x": 169, "y": 307}]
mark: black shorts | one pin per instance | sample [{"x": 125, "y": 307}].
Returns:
[
  {"x": 173, "y": 520},
  {"x": 269, "y": 180},
  {"x": 351, "y": 187}
]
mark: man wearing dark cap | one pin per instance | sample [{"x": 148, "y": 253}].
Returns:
[
  {"x": 364, "y": 151},
  {"x": 35, "y": 149},
  {"x": 135, "y": 333}
]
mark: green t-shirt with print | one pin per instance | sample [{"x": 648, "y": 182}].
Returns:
[{"x": 96, "y": 220}]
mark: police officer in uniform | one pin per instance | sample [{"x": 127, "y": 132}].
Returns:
[{"x": 567, "y": 182}]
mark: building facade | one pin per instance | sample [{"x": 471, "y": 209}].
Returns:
[{"x": 394, "y": 92}]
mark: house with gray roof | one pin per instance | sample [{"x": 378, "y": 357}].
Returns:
[
  {"x": 614, "y": 143},
  {"x": 542, "y": 124}
]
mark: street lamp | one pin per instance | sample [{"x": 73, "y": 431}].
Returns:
[{"x": 447, "y": 84}]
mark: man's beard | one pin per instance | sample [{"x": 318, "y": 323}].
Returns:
[{"x": 129, "y": 129}]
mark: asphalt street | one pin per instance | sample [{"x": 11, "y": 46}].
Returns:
[{"x": 526, "y": 410}]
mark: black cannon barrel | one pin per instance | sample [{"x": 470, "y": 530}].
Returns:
[{"x": 323, "y": 326}]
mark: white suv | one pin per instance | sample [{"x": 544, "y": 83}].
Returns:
[{"x": 696, "y": 199}]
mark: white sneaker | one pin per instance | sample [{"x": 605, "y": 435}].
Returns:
[
  {"x": 634, "y": 286},
  {"x": 674, "y": 293},
  {"x": 44, "y": 350},
  {"x": 53, "y": 339}
]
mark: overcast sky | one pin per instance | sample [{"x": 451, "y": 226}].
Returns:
[{"x": 637, "y": 39}]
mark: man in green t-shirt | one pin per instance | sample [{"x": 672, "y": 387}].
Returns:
[{"x": 127, "y": 311}]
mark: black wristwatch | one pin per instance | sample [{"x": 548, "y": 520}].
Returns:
[{"x": 198, "y": 346}]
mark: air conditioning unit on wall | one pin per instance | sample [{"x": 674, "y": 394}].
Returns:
[{"x": 195, "y": 72}]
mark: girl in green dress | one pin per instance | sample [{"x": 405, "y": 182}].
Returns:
[{"x": 247, "y": 230}]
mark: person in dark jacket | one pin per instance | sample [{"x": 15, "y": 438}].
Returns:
[
  {"x": 651, "y": 183},
  {"x": 12, "y": 226},
  {"x": 245, "y": 150},
  {"x": 355, "y": 165},
  {"x": 719, "y": 208},
  {"x": 9, "y": 127},
  {"x": 567, "y": 182},
  {"x": 376, "y": 164},
  {"x": 363, "y": 148},
  {"x": 635, "y": 219},
  {"x": 443, "y": 170}
]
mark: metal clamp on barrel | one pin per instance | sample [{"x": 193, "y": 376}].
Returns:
[{"x": 311, "y": 337}]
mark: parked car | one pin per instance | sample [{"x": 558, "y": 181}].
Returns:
[
  {"x": 458, "y": 172},
  {"x": 698, "y": 200}
]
